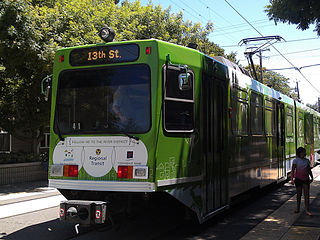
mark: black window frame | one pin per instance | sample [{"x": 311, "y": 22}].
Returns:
[
  {"x": 166, "y": 99},
  {"x": 290, "y": 114},
  {"x": 56, "y": 129},
  {"x": 300, "y": 120},
  {"x": 272, "y": 110},
  {"x": 239, "y": 96},
  {"x": 260, "y": 131}
]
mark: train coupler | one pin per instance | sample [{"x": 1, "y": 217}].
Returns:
[{"x": 83, "y": 212}]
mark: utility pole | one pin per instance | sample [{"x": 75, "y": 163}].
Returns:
[
  {"x": 261, "y": 72},
  {"x": 318, "y": 104},
  {"x": 297, "y": 90}
]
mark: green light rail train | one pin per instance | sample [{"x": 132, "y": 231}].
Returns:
[{"x": 149, "y": 118}]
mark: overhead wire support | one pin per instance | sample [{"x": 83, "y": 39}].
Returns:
[
  {"x": 250, "y": 51},
  {"x": 247, "y": 40},
  {"x": 287, "y": 41}
]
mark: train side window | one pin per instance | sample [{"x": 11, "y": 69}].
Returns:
[
  {"x": 289, "y": 122},
  {"x": 315, "y": 126},
  {"x": 300, "y": 125},
  {"x": 318, "y": 119},
  {"x": 270, "y": 117},
  {"x": 307, "y": 131},
  {"x": 256, "y": 110},
  {"x": 239, "y": 119},
  {"x": 178, "y": 99}
]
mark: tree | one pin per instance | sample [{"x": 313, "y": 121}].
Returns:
[
  {"x": 32, "y": 30},
  {"x": 275, "y": 81},
  {"x": 300, "y": 12},
  {"x": 278, "y": 83},
  {"x": 21, "y": 110}
]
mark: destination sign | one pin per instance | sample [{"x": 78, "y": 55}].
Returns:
[{"x": 104, "y": 55}]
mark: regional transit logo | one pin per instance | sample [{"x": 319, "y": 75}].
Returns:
[{"x": 98, "y": 151}]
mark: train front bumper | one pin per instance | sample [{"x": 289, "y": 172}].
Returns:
[{"x": 83, "y": 212}]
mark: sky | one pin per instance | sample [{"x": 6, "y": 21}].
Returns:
[{"x": 299, "y": 48}]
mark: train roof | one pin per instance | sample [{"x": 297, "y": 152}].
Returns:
[{"x": 244, "y": 81}]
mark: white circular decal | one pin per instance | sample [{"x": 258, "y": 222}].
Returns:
[
  {"x": 98, "y": 155},
  {"x": 97, "y": 161},
  {"x": 68, "y": 155},
  {"x": 133, "y": 156}
]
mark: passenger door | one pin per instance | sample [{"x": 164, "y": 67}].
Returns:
[
  {"x": 280, "y": 140},
  {"x": 215, "y": 115}
]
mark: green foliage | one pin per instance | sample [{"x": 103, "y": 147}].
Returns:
[
  {"x": 300, "y": 12},
  {"x": 22, "y": 65},
  {"x": 278, "y": 82},
  {"x": 32, "y": 30}
]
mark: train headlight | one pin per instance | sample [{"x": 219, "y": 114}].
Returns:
[{"x": 107, "y": 34}]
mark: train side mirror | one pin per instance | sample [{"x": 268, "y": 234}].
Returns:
[
  {"x": 45, "y": 86},
  {"x": 185, "y": 82}
]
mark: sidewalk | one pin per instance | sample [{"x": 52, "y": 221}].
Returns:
[
  {"x": 16, "y": 199},
  {"x": 19, "y": 192},
  {"x": 284, "y": 224}
]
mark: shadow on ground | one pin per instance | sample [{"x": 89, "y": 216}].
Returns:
[
  {"x": 23, "y": 187},
  {"x": 51, "y": 230}
]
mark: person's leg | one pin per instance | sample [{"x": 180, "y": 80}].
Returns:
[
  {"x": 306, "y": 190},
  {"x": 299, "y": 194}
]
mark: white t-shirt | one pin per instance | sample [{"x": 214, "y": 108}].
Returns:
[{"x": 302, "y": 170}]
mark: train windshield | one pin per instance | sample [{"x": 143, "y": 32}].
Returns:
[{"x": 103, "y": 100}]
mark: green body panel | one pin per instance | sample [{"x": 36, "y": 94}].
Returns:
[
  {"x": 181, "y": 160},
  {"x": 222, "y": 156}
]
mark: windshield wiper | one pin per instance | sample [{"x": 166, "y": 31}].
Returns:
[
  {"x": 132, "y": 137},
  {"x": 59, "y": 132},
  {"x": 129, "y": 135}
]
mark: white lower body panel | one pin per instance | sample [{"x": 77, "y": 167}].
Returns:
[{"x": 102, "y": 185}]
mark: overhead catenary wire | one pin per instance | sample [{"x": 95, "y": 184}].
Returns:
[
  {"x": 307, "y": 66},
  {"x": 232, "y": 25},
  {"x": 303, "y": 51},
  {"x": 293, "y": 66},
  {"x": 197, "y": 17},
  {"x": 222, "y": 30},
  {"x": 186, "y": 11}
]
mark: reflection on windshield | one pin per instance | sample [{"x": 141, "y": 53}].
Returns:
[{"x": 106, "y": 100}]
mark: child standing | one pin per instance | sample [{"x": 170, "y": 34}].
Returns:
[{"x": 300, "y": 171}]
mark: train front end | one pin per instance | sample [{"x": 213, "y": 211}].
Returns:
[{"x": 102, "y": 139}]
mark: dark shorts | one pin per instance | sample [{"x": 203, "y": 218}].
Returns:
[{"x": 298, "y": 182}]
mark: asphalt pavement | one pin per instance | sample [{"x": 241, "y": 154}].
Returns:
[{"x": 280, "y": 222}]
